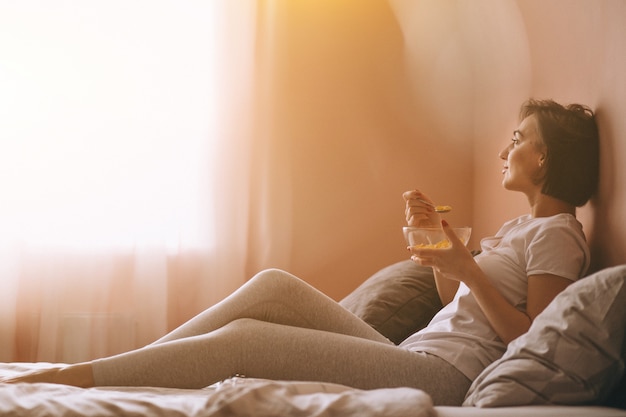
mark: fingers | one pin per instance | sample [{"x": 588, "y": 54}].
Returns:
[
  {"x": 407, "y": 195},
  {"x": 422, "y": 260},
  {"x": 415, "y": 195},
  {"x": 449, "y": 231},
  {"x": 416, "y": 211},
  {"x": 416, "y": 214},
  {"x": 426, "y": 257}
]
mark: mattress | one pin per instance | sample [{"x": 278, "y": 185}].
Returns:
[{"x": 247, "y": 397}]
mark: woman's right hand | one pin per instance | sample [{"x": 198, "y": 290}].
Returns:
[{"x": 417, "y": 212}]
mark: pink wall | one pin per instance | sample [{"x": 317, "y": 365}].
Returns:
[
  {"x": 374, "y": 98},
  {"x": 356, "y": 119},
  {"x": 578, "y": 53}
]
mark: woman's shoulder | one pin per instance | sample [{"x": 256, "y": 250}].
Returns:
[
  {"x": 563, "y": 221},
  {"x": 561, "y": 241},
  {"x": 531, "y": 229},
  {"x": 559, "y": 221}
]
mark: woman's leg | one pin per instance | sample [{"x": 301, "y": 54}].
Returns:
[
  {"x": 260, "y": 349},
  {"x": 271, "y": 296},
  {"x": 278, "y": 297}
]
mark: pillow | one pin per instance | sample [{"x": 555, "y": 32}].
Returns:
[
  {"x": 617, "y": 398},
  {"x": 572, "y": 354},
  {"x": 397, "y": 300}
]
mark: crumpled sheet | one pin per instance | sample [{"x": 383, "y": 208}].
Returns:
[{"x": 233, "y": 397}]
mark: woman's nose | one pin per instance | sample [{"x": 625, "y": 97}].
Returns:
[{"x": 504, "y": 153}]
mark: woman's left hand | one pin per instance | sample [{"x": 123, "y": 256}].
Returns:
[{"x": 453, "y": 262}]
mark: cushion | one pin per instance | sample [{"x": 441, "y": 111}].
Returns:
[
  {"x": 572, "y": 354},
  {"x": 618, "y": 396},
  {"x": 397, "y": 300}
]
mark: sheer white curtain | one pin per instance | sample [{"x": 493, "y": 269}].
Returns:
[{"x": 124, "y": 129}]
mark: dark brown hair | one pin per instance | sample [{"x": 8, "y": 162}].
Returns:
[{"x": 570, "y": 135}]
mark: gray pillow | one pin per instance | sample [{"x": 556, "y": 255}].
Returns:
[
  {"x": 572, "y": 354},
  {"x": 618, "y": 396},
  {"x": 397, "y": 300}
]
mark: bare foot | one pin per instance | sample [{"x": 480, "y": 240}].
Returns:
[
  {"x": 40, "y": 375},
  {"x": 78, "y": 375}
]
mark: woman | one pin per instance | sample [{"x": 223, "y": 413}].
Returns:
[{"x": 278, "y": 327}]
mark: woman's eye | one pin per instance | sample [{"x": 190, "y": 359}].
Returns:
[{"x": 516, "y": 137}]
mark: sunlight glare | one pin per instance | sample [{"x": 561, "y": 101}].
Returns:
[{"x": 105, "y": 127}]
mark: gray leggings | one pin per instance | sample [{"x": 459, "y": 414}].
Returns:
[{"x": 276, "y": 326}]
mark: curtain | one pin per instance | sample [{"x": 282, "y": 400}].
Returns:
[
  {"x": 125, "y": 160},
  {"x": 155, "y": 154}
]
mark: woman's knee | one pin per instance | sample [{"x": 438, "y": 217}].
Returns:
[
  {"x": 275, "y": 279},
  {"x": 241, "y": 331}
]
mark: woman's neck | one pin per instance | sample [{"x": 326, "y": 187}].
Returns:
[{"x": 543, "y": 205}]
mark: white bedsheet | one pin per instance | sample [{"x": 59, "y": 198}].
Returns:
[
  {"x": 248, "y": 397},
  {"x": 234, "y": 397}
]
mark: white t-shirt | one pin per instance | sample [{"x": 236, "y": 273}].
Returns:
[{"x": 460, "y": 333}]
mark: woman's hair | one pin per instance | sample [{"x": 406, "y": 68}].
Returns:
[{"x": 570, "y": 135}]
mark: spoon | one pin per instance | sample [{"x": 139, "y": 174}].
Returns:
[{"x": 438, "y": 209}]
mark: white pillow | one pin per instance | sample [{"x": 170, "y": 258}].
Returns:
[{"x": 572, "y": 354}]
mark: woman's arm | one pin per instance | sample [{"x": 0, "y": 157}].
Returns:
[
  {"x": 457, "y": 264},
  {"x": 508, "y": 322},
  {"x": 446, "y": 288}
]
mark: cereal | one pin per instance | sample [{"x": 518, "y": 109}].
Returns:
[{"x": 442, "y": 244}]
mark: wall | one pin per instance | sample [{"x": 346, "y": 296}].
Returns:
[
  {"x": 578, "y": 53},
  {"x": 352, "y": 126},
  {"x": 373, "y": 98},
  {"x": 571, "y": 51}
]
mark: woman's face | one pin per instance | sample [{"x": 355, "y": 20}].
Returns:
[{"x": 524, "y": 158}]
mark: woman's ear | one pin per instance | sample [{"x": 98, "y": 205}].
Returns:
[{"x": 542, "y": 159}]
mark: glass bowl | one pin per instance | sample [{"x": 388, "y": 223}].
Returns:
[{"x": 433, "y": 237}]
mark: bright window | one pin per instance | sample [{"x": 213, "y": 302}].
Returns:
[{"x": 105, "y": 121}]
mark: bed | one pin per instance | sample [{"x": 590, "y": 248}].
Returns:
[
  {"x": 570, "y": 363},
  {"x": 248, "y": 397}
]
